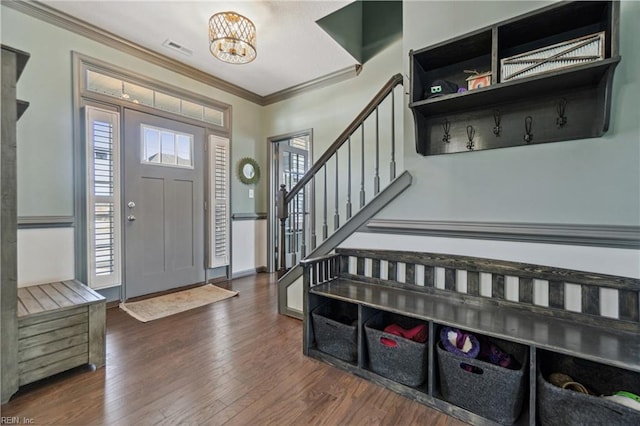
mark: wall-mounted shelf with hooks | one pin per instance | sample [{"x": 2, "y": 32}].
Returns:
[{"x": 570, "y": 100}]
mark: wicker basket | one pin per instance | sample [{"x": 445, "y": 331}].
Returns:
[{"x": 567, "y": 54}]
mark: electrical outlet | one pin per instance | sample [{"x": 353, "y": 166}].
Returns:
[{"x": 251, "y": 193}]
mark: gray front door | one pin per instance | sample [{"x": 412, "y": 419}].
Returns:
[{"x": 163, "y": 204}]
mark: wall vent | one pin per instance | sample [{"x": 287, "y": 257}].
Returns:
[{"x": 177, "y": 47}]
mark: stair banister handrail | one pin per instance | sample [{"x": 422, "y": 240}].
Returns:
[{"x": 366, "y": 112}]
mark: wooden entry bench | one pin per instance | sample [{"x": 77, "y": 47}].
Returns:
[
  {"x": 61, "y": 325},
  {"x": 552, "y": 312}
]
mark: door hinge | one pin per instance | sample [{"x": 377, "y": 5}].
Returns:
[{"x": 205, "y": 206}]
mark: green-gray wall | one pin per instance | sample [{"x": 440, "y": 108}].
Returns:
[
  {"x": 45, "y": 172},
  {"x": 592, "y": 181},
  {"x": 328, "y": 111}
]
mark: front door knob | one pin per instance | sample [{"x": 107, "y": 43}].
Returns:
[
  {"x": 131, "y": 218},
  {"x": 131, "y": 204}
]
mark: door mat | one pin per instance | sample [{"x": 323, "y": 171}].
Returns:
[{"x": 173, "y": 303}]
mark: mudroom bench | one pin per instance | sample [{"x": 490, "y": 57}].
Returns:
[
  {"x": 61, "y": 325},
  {"x": 550, "y": 320}
]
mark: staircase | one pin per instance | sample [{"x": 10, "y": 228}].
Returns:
[{"x": 353, "y": 159}]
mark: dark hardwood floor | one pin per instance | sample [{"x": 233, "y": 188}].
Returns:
[{"x": 236, "y": 362}]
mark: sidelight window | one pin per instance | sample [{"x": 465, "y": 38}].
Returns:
[{"x": 103, "y": 197}]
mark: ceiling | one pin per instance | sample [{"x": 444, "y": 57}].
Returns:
[{"x": 292, "y": 48}]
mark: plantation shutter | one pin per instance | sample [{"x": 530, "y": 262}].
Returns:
[
  {"x": 219, "y": 254},
  {"x": 103, "y": 197}
]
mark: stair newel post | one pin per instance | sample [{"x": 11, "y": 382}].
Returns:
[
  {"x": 336, "y": 215},
  {"x": 349, "y": 178},
  {"x": 376, "y": 179},
  {"x": 282, "y": 216},
  {"x": 362, "y": 166},
  {"x": 325, "y": 228},
  {"x": 393, "y": 137}
]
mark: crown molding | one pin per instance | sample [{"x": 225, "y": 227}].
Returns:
[
  {"x": 613, "y": 236},
  {"x": 324, "y": 81},
  {"x": 52, "y": 16}
]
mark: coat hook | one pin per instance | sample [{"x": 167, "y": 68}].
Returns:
[
  {"x": 528, "y": 124},
  {"x": 561, "y": 120},
  {"x": 496, "y": 120},
  {"x": 471, "y": 132},
  {"x": 446, "y": 126}
]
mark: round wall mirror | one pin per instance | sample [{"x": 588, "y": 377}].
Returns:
[{"x": 248, "y": 171}]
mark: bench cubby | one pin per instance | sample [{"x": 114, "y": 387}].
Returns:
[
  {"x": 396, "y": 357},
  {"x": 497, "y": 299},
  {"x": 558, "y": 406}
]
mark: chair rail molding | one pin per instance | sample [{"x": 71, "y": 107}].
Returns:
[
  {"x": 614, "y": 236},
  {"x": 26, "y": 222}
]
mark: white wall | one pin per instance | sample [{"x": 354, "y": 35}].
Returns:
[
  {"x": 45, "y": 255},
  {"x": 249, "y": 246}
]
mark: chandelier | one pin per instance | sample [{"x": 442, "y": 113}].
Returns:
[{"x": 232, "y": 38}]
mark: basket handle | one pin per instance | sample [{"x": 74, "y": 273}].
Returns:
[
  {"x": 471, "y": 368},
  {"x": 390, "y": 343}
]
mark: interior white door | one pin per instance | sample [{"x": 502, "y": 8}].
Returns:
[{"x": 163, "y": 204}]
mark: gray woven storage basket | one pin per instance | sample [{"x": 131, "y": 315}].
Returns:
[
  {"x": 335, "y": 329},
  {"x": 496, "y": 393},
  {"x": 405, "y": 363},
  {"x": 557, "y": 406}
]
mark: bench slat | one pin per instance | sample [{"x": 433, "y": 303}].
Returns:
[
  {"x": 83, "y": 291},
  {"x": 30, "y": 303},
  {"x": 44, "y": 327},
  {"x": 473, "y": 283},
  {"x": 22, "y": 311},
  {"x": 556, "y": 294},
  {"x": 51, "y": 315},
  {"x": 629, "y": 305},
  {"x": 68, "y": 293},
  {"x": 52, "y": 336},
  {"x": 53, "y": 368},
  {"x": 36, "y": 363},
  {"x": 27, "y": 354},
  {"x": 43, "y": 298},
  {"x": 55, "y": 295}
]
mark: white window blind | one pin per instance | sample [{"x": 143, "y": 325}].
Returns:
[
  {"x": 103, "y": 197},
  {"x": 219, "y": 252}
]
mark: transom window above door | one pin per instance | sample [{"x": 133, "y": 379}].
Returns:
[
  {"x": 131, "y": 92},
  {"x": 164, "y": 147}
]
